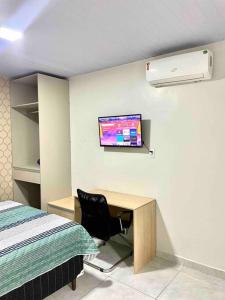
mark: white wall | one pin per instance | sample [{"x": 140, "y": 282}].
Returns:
[{"x": 187, "y": 176}]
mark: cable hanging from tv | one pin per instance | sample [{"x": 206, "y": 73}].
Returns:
[{"x": 151, "y": 151}]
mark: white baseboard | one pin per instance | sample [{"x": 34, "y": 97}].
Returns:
[{"x": 191, "y": 264}]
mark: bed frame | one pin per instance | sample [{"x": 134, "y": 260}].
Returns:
[{"x": 46, "y": 284}]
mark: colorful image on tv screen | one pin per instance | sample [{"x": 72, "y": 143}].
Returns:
[{"x": 120, "y": 131}]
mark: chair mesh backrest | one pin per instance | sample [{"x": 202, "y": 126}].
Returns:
[{"x": 95, "y": 214}]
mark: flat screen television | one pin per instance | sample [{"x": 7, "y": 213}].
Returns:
[{"x": 120, "y": 131}]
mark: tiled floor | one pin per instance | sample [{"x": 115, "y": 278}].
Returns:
[{"x": 159, "y": 280}]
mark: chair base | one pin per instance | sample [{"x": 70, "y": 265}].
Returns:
[{"x": 111, "y": 268}]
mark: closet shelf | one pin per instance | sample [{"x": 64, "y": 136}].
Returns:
[
  {"x": 31, "y": 168},
  {"x": 27, "y": 107},
  {"x": 30, "y": 173}
]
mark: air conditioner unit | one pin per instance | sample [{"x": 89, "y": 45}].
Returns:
[{"x": 180, "y": 69}]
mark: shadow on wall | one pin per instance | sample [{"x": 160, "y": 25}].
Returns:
[
  {"x": 165, "y": 241},
  {"x": 146, "y": 133},
  {"x": 218, "y": 68}
]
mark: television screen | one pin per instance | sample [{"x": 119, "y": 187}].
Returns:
[{"x": 120, "y": 131}]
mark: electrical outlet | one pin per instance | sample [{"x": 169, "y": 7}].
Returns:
[{"x": 152, "y": 153}]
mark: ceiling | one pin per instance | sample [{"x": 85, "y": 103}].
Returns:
[{"x": 68, "y": 37}]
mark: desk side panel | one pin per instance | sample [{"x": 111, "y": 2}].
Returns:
[{"x": 144, "y": 235}]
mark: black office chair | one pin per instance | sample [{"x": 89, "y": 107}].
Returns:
[{"x": 97, "y": 220}]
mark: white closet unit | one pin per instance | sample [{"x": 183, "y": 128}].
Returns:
[{"x": 40, "y": 130}]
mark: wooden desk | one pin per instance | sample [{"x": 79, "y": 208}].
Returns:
[
  {"x": 143, "y": 223},
  {"x": 63, "y": 207},
  {"x": 144, "y": 228}
]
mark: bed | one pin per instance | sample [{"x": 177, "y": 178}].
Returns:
[{"x": 39, "y": 252}]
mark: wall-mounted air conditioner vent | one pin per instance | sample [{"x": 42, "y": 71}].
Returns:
[{"x": 180, "y": 69}]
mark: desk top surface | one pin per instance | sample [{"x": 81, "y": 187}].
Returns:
[
  {"x": 125, "y": 201},
  {"x": 65, "y": 203}
]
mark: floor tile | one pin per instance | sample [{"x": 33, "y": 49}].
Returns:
[
  {"x": 203, "y": 276},
  {"x": 50, "y": 298},
  {"x": 111, "y": 253},
  {"x": 159, "y": 279},
  {"x": 191, "y": 287},
  {"x": 86, "y": 283},
  {"x": 153, "y": 278},
  {"x": 113, "y": 290}
]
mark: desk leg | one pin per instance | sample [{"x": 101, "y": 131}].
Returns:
[{"x": 144, "y": 235}]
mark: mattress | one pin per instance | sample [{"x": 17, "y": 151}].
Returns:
[{"x": 33, "y": 242}]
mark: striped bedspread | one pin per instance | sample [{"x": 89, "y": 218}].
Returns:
[{"x": 32, "y": 242}]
